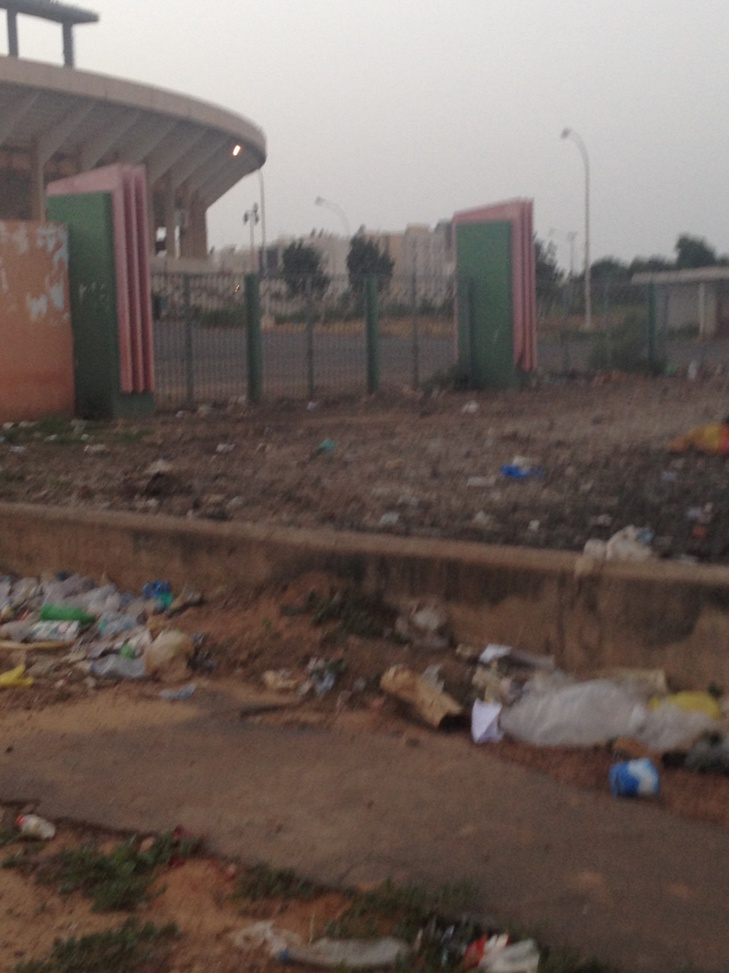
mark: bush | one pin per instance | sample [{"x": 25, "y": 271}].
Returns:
[{"x": 624, "y": 348}]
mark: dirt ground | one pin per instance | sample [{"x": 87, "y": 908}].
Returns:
[
  {"x": 345, "y": 465},
  {"x": 410, "y": 465}
]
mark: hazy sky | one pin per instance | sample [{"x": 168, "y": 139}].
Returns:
[{"x": 405, "y": 111}]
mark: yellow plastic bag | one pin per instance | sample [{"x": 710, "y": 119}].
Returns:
[
  {"x": 712, "y": 439},
  {"x": 14, "y": 678},
  {"x": 691, "y": 702}
]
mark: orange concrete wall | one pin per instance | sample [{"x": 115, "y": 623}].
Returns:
[{"x": 36, "y": 341}]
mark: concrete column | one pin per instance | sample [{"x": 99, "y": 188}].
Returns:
[
  {"x": 198, "y": 229},
  {"x": 37, "y": 186},
  {"x": 13, "y": 50},
  {"x": 68, "y": 44},
  {"x": 151, "y": 221},
  {"x": 170, "y": 227},
  {"x": 702, "y": 309}
]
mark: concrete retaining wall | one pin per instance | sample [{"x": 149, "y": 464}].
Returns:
[{"x": 669, "y": 615}]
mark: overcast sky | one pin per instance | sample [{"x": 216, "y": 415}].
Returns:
[{"x": 406, "y": 111}]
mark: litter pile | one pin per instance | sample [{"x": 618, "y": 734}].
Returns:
[
  {"x": 100, "y": 632},
  {"x": 464, "y": 944},
  {"x": 527, "y": 698}
]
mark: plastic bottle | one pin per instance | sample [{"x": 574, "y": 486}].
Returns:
[
  {"x": 65, "y": 613},
  {"x": 34, "y": 826}
]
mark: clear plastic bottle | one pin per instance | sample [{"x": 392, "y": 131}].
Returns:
[{"x": 34, "y": 826}]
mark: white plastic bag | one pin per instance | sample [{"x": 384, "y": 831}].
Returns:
[{"x": 580, "y": 715}]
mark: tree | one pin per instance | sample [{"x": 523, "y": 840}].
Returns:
[
  {"x": 302, "y": 264},
  {"x": 365, "y": 258},
  {"x": 649, "y": 265},
  {"x": 693, "y": 251},
  {"x": 548, "y": 274},
  {"x": 609, "y": 268}
]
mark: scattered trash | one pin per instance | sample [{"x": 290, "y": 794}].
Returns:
[
  {"x": 225, "y": 447},
  {"x": 34, "y": 826},
  {"x": 692, "y": 702},
  {"x": 712, "y": 439},
  {"x": 693, "y": 372},
  {"x": 264, "y": 933},
  {"x": 470, "y": 408},
  {"x": 118, "y": 667},
  {"x": 96, "y": 449},
  {"x": 15, "y": 678},
  {"x": 629, "y": 544},
  {"x": 389, "y": 519},
  {"x": 175, "y": 695},
  {"x": 65, "y": 613},
  {"x": 521, "y": 471},
  {"x": 353, "y": 954},
  {"x": 485, "y": 722},
  {"x": 634, "y": 778},
  {"x": 556, "y": 712},
  {"x": 709, "y": 755},
  {"x": 167, "y": 657},
  {"x": 424, "y": 626},
  {"x": 494, "y": 653},
  {"x": 280, "y": 681},
  {"x": 432, "y": 704},
  {"x": 326, "y": 446},
  {"x": 520, "y": 957},
  {"x": 54, "y": 632}
]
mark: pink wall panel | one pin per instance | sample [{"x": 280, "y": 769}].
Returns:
[{"x": 127, "y": 186}]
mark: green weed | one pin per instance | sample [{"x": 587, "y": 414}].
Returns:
[
  {"x": 358, "y": 614},
  {"x": 264, "y": 882},
  {"x": 119, "y": 880},
  {"x": 130, "y": 948}
]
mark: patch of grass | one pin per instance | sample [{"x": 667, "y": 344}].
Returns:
[
  {"x": 130, "y": 948},
  {"x": 126, "y": 437},
  {"x": 8, "y": 836},
  {"x": 264, "y": 882},
  {"x": 406, "y": 909},
  {"x": 119, "y": 880},
  {"x": 358, "y": 614}
]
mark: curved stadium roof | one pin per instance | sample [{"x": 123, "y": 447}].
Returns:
[{"x": 57, "y": 122}]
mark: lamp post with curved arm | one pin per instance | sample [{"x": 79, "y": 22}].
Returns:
[
  {"x": 569, "y": 133},
  {"x": 320, "y": 201}
]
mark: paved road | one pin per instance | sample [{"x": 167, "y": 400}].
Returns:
[{"x": 618, "y": 879}]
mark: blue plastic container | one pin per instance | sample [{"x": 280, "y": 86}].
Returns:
[{"x": 634, "y": 778}]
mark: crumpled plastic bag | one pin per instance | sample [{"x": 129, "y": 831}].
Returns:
[
  {"x": 15, "y": 678},
  {"x": 580, "y": 715},
  {"x": 712, "y": 439},
  {"x": 167, "y": 657},
  {"x": 590, "y": 713}
]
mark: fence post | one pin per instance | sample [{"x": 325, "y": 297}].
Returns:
[
  {"x": 372, "y": 333},
  {"x": 309, "y": 339},
  {"x": 189, "y": 362},
  {"x": 565, "y": 336},
  {"x": 608, "y": 325},
  {"x": 415, "y": 331},
  {"x": 253, "y": 335},
  {"x": 652, "y": 322}
]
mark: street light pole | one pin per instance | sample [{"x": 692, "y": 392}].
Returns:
[
  {"x": 264, "y": 257},
  {"x": 251, "y": 216},
  {"x": 569, "y": 133},
  {"x": 320, "y": 201}
]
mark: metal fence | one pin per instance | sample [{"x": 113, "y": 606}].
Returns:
[
  {"x": 634, "y": 328},
  {"x": 316, "y": 339},
  {"x": 314, "y": 336}
]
